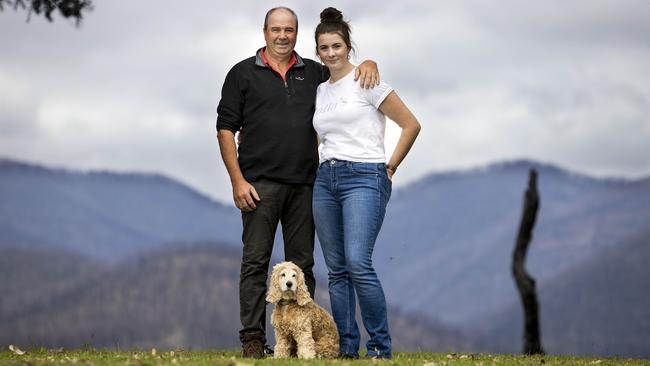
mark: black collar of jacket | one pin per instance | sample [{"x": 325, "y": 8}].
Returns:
[{"x": 259, "y": 61}]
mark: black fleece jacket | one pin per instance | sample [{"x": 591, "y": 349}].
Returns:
[{"x": 278, "y": 141}]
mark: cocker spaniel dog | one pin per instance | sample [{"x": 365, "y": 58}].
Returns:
[{"x": 302, "y": 327}]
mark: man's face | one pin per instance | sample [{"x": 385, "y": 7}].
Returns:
[{"x": 280, "y": 34}]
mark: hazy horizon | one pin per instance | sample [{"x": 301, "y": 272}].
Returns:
[{"x": 561, "y": 83}]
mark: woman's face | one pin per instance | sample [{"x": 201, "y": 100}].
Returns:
[{"x": 333, "y": 51}]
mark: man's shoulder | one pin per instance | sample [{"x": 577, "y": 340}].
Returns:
[
  {"x": 245, "y": 63},
  {"x": 311, "y": 63},
  {"x": 319, "y": 72},
  {"x": 308, "y": 60}
]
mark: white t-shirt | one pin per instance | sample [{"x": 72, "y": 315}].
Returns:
[{"x": 348, "y": 121}]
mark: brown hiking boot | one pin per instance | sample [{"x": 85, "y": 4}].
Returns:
[{"x": 252, "y": 344}]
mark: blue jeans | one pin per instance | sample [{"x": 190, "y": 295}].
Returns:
[{"x": 349, "y": 204}]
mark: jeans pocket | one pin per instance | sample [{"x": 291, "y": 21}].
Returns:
[
  {"x": 364, "y": 168},
  {"x": 388, "y": 184}
]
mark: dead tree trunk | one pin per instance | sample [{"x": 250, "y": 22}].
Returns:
[{"x": 525, "y": 283}]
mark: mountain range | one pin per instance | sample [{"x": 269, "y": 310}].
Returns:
[
  {"x": 443, "y": 257},
  {"x": 105, "y": 215}
]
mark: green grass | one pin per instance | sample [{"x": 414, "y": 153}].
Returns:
[{"x": 231, "y": 358}]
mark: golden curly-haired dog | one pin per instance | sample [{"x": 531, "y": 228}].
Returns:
[{"x": 302, "y": 327}]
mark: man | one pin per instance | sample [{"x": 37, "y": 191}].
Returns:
[{"x": 269, "y": 99}]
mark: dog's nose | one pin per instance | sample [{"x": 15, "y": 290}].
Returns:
[{"x": 289, "y": 284}]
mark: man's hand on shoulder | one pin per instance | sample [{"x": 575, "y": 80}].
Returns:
[
  {"x": 368, "y": 74},
  {"x": 245, "y": 196}
]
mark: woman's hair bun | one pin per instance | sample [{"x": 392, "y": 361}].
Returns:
[{"x": 331, "y": 15}]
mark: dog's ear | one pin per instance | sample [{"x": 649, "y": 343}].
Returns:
[
  {"x": 274, "y": 294},
  {"x": 302, "y": 293}
]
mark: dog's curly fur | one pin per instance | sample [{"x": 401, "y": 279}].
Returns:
[{"x": 302, "y": 327}]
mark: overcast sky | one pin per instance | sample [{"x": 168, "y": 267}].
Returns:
[{"x": 135, "y": 88}]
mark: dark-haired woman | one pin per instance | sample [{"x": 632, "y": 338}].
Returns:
[{"x": 353, "y": 185}]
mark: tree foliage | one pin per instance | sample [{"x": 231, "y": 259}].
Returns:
[{"x": 66, "y": 8}]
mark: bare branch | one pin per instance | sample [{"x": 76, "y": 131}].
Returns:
[{"x": 66, "y": 8}]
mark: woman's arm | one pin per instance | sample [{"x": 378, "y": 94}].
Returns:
[{"x": 395, "y": 109}]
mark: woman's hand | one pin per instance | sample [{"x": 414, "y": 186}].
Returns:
[{"x": 390, "y": 170}]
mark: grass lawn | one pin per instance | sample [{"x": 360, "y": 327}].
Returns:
[{"x": 231, "y": 358}]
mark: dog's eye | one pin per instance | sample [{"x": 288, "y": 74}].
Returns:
[
  {"x": 294, "y": 275},
  {"x": 282, "y": 275}
]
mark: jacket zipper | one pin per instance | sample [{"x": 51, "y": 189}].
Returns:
[{"x": 286, "y": 85}]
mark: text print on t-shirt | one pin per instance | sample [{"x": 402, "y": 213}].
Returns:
[{"x": 342, "y": 102}]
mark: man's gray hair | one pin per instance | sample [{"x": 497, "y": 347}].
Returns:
[{"x": 268, "y": 13}]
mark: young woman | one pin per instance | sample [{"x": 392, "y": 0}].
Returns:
[{"x": 353, "y": 185}]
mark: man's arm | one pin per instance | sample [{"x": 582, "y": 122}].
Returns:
[
  {"x": 229, "y": 120},
  {"x": 244, "y": 194}
]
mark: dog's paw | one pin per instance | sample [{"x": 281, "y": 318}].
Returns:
[{"x": 307, "y": 355}]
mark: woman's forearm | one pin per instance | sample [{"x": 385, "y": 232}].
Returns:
[
  {"x": 406, "y": 139},
  {"x": 394, "y": 108}
]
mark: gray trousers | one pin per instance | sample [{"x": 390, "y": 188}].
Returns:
[{"x": 289, "y": 204}]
